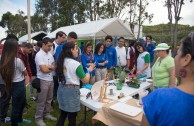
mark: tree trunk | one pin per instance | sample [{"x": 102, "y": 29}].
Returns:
[{"x": 139, "y": 20}]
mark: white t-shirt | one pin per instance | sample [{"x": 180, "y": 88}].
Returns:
[
  {"x": 70, "y": 66},
  {"x": 43, "y": 58},
  {"x": 121, "y": 56},
  {"x": 141, "y": 63},
  {"x": 128, "y": 52},
  {"x": 19, "y": 68},
  {"x": 53, "y": 49}
]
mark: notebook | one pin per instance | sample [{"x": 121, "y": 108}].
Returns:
[{"x": 126, "y": 109}]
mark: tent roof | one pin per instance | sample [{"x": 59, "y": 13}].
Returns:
[
  {"x": 35, "y": 36},
  {"x": 97, "y": 29}
]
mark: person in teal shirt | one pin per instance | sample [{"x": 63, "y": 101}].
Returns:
[
  {"x": 112, "y": 57},
  {"x": 163, "y": 70},
  {"x": 87, "y": 60},
  {"x": 102, "y": 59}
]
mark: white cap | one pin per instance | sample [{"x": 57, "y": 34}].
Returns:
[{"x": 162, "y": 46}]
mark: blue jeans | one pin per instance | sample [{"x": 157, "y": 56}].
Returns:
[
  {"x": 4, "y": 101},
  {"x": 18, "y": 94}
]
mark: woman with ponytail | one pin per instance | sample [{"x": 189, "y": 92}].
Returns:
[
  {"x": 12, "y": 72},
  {"x": 69, "y": 73}
]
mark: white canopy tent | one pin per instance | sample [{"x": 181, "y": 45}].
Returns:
[
  {"x": 35, "y": 36},
  {"x": 97, "y": 29}
]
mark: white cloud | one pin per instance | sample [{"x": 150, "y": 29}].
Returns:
[{"x": 161, "y": 14}]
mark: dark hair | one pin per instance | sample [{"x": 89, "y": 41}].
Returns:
[
  {"x": 87, "y": 44},
  {"x": 39, "y": 44},
  {"x": 98, "y": 47},
  {"x": 108, "y": 37},
  {"x": 46, "y": 40},
  {"x": 132, "y": 43},
  {"x": 188, "y": 45},
  {"x": 72, "y": 35},
  {"x": 137, "y": 52},
  {"x": 66, "y": 52},
  {"x": 140, "y": 44},
  {"x": 27, "y": 45},
  {"x": 11, "y": 36},
  {"x": 149, "y": 36},
  {"x": 60, "y": 34},
  {"x": 7, "y": 62},
  {"x": 121, "y": 38},
  {"x": 82, "y": 43}
]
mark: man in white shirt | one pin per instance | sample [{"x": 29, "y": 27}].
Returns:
[
  {"x": 121, "y": 53},
  {"x": 60, "y": 38},
  {"x": 45, "y": 65}
]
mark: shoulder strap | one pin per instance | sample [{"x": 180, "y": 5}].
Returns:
[{"x": 53, "y": 46}]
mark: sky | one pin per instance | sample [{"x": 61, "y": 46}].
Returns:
[{"x": 157, "y": 8}]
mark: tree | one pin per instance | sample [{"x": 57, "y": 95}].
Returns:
[
  {"x": 174, "y": 10},
  {"x": 16, "y": 24},
  {"x": 137, "y": 14},
  {"x": 6, "y": 20},
  {"x": 143, "y": 15}
]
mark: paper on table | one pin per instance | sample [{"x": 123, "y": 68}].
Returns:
[
  {"x": 126, "y": 109},
  {"x": 123, "y": 100},
  {"x": 84, "y": 91}
]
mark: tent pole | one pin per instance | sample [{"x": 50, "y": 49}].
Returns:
[{"x": 29, "y": 22}]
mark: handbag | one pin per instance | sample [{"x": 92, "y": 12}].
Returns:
[{"x": 36, "y": 84}]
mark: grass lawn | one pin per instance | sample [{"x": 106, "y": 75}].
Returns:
[{"x": 31, "y": 113}]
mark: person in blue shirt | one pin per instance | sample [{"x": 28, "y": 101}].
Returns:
[
  {"x": 102, "y": 60},
  {"x": 112, "y": 57},
  {"x": 150, "y": 46},
  {"x": 87, "y": 60},
  {"x": 82, "y": 46},
  {"x": 72, "y": 37},
  {"x": 174, "y": 106}
]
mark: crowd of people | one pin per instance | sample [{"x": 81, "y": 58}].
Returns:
[{"x": 61, "y": 68}]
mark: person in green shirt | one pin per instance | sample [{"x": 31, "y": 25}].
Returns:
[{"x": 163, "y": 70}]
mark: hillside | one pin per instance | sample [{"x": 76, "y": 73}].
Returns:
[{"x": 161, "y": 32}]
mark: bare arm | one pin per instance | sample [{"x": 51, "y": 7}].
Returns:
[
  {"x": 172, "y": 77},
  {"x": 25, "y": 73},
  {"x": 144, "y": 68},
  {"x": 128, "y": 63},
  {"x": 144, "y": 121}
]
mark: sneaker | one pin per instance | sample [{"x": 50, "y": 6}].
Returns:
[
  {"x": 32, "y": 98},
  {"x": 50, "y": 117},
  {"x": 6, "y": 120},
  {"x": 25, "y": 121},
  {"x": 40, "y": 123}
]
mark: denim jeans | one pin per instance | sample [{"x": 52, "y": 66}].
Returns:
[
  {"x": 18, "y": 94},
  {"x": 4, "y": 101}
]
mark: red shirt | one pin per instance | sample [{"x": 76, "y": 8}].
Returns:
[
  {"x": 1, "y": 48},
  {"x": 24, "y": 58}
]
